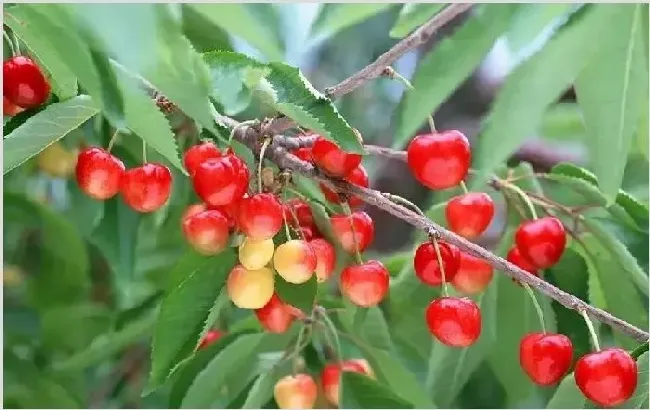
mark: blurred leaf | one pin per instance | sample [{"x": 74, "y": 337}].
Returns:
[
  {"x": 358, "y": 391},
  {"x": 261, "y": 391},
  {"x": 610, "y": 91},
  {"x": 195, "y": 283},
  {"x": 73, "y": 327},
  {"x": 567, "y": 395},
  {"x": 563, "y": 122},
  {"x": 640, "y": 398},
  {"x": 532, "y": 20},
  {"x": 395, "y": 263},
  {"x": 301, "y": 296},
  {"x": 373, "y": 329},
  {"x": 334, "y": 17},
  {"x": 641, "y": 142},
  {"x": 202, "y": 33},
  {"x": 443, "y": 69},
  {"x": 412, "y": 16},
  {"x": 44, "y": 128}
]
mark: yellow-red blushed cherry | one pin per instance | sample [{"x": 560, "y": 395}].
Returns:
[
  {"x": 295, "y": 392},
  {"x": 545, "y": 357},
  {"x": 211, "y": 337},
  {"x": 470, "y": 214},
  {"x": 250, "y": 289},
  {"x": 608, "y": 377},
  {"x": 146, "y": 188},
  {"x": 221, "y": 181},
  {"x": 295, "y": 261},
  {"x": 276, "y": 316},
  {"x": 359, "y": 177},
  {"x": 357, "y": 226},
  {"x": 259, "y": 216},
  {"x": 99, "y": 173},
  {"x": 439, "y": 160},
  {"x": 325, "y": 258},
  {"x": 473, "y": 275},
  {"x": 207, "y": 231},
  {"x": 366, "y": 284},
  {"x": 426, "y": 265},
  {"x": 454, "y": 321},
  {"x": 254, "y": 255},
  {"x": 332, "y": 159},
  {"x": 23, "y": 82},
  {"x": 541, "y": 241},
  {"x": 331, "y": 376},
  {"x": 196, "y": 154}
]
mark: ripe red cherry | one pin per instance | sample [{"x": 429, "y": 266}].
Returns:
[
  {"x": 325, "y": 258},
  {"x": 440, "y": 160},
  {"x": 545, "y": 357},
  {"x": 454, "y": 321},
  {"x": 196, "y": 154},
  {"x": 207, "y": 231},
  {"x": 333, "y": 160},
  {"x": 473, "y": 275},
  {"x": 276, "y": 316},
  {"x": 364, "y": 231},
  {"x": 358, "y": 176},
  {"x": 209, "y": 338},
  {"x": 331, "y": 376},
  {"x": 608, "y": 377},
  {"x": 99, "y": 173},
  {"x": 514, "y": 257},
  {"x": 470, "y": 214},
  {"x": 303, "y": 153},
  {"x": 426, "y": 263},
  {"x": 260, "y": 216},
  {"x": 24, "y": 83},
  {"x": 365, "y": 285},
  {"x": 192, "y": 210},
  {"x": 10, "y": 109},
  {"x": 221, "y": 181},
  {"x": 147, "y": 187},
  {"x": 301, "y": 212},
  {"x": 541, "y": 241}
]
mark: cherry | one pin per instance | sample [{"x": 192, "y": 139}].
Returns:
[
  {"x": 99, "y": 173},
  {"x": 260, "y": 216},
  {"x": 207, "y": 231},
  {"x": 608, "y": 377},
  {"x": 439, "y": 160},
  {"x": 325, "y": 258},
  {"x": 365, "y": 285},
  {"x": 473, "y": 275},
  {"x": 426, "y": 263},
  {"x": 470, "y": 214},
  {"x": 146, "y": 188},
  {"x": 358, "y": 176},
  {"x": 10, "y": 109},
  {"x": 333, "y": 160},
  {"x": 56, "y": 161},
  {"x": 331, "y": 376},
  {"x": 221, "y": 181},
  {"x": 364, "y": 231},
  {"x": 211, "y": 337},
  {"x": 514, "y": 257},
  {"x": 250, "y": 289},
  {"x": 301, "y": 211},
  {"x": 295, "y": 261},
  {"x": 192, "y": 210},
  {"x": 541, "y": 241},
  {"x": 229, "y": 211},
  {"x": 254, "y": 255},
  {"x": 24, "y": 83},
  {"x": 276, "y": 316},
  {"x": 196, "y": 154},
  {"x": 295, "y": 392},
  {"x": 303, "y": 154},
  {"x": 454, "y": 321},
  {"x": 545, "y": 357}
]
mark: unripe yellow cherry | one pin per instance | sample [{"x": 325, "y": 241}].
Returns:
[
  {"x": 56, "y": 161},
  {"x": 295, "y": 261},
  {"x": 250, "y": 289},
  {"x": 255, "y": 255},
  {"x": 295, "y": 392}
]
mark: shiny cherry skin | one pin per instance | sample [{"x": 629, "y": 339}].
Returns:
[
  {"x": 331, "y": 376},
  {"x": 146, "y": 188},
  {"x": 473, "y": 275},
  {"x": 221, "y": 181},
  {"x": 439, "y": 160},
  {"x": 325, "y": 258},
  {"x": 276, "y": 316},
  {"x": 357, "y": 226},
  {"x": 332, "y": 159},
  {"x": 426, "y": 265},
  {"x": 10, "y": 109},
  {"x": 296, "y": 392},
  {"x": 295, "y": 261},
  {"x": 359, "y": 177},
  {"x": 99, "y": 173},
  {"x": 303, "y": 153},
  {"x": 192, "y": 210},
  {"x": 207, "y": 231},
  {"x": 608, "y": 377},
  {"x": 545, "y": 357},
  {"x": 470, "y": 214},
  {"x": 23, "y": 82},
  {"x": 196, "y": 154},
  {"x": 514, "y": 257},
  {"x": 297, "y": 209},
  {"x": 365, "y": 285},
  {"x": 541, "y": 241},
  {"x": 250, "y": 289},
  {"x": 211, "y": 337},
  {"x": 259, "y": 216},
  {"x": 454, "y": 321}
]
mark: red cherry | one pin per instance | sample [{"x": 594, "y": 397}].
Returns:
[
  {"x": 365, "y": 285},
  {"x": 207, "y": 231},
  {"x": 260, "y": 216},
  {"x": 209, "y": 338},
  {"x": 196, "y": 154},
  {"x": 221, "y": 181},
  {"x": 276, "y": 316},
  {"x": 331, "y": 376},
  {"x": 541, "y": 241},
  {"x": 364, "y": 231},
  {"x": 301, "y": 212},
  {"x": 358, "y": 176},
  {"x": 99, "y": 173},
  {"x": 146, "y": 188},
  {"x": 473, "y": 275},
  {"x": 333, "y": 160},
  {"x": 454, "y": 321},
  {"x": 325, "y": 258},
  {"x": 426, "y": 263},
  {"x": 24, "y": 83},
  {"x": 514, "y": 257},
  {"x": 440, "y": 160},
  {"x": 192, "y": 210},
  {"x": 608, "y": 377},
  {"x": 470, "y": 214},
  {"x": 303, "y": 153},
  {"x": 10, "y": 109},
  {"x": 545, "y": 357}
]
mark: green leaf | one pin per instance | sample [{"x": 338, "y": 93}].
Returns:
[
  {"x": 289, "y": 92},
  {"x": 261, "y": 391},
  {"x": 71, "y": 328},
  {"x": 373, "y": 329},
  {"x": 640, "y": 398},
  {"x": 531, "y": 21},
  {"x": 202, "y": 33},
  {"x": 611, "y": 90},
  {"x": 334, "y": 17},
  {"x": 195, "y": 283},
  {"x": 567, "y": 395},
  {"x": 301, "y": 296},
  {"x": 45, "y": 128},
  {"x": 361, "y": 392},
  {"x": 412, "y": 16},
  {"x": 450, "y": 63}
]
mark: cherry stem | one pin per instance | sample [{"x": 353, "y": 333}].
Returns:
[
  {"x": 112, "y": 141},
  {"x": 144, "y": 151},
  {"x": 300, "y": 344},
  {"x": 524, "y": 197},
  {"x": 330, "y": 328},
  {"x": 265, "y": 145},
  {"x": 538, "y": 308},
  {"x": 348, "y": 212},
  {"x": 434, "y": 241},
  {"x": 403, "y": 201},
  {"x": 592, "y": 330},
  {"x": 10, "y": 43},
  {"x": 394, "y": 75},
  {"x": 464, "y": 187},
  {"x": 284, "y": 216},
  {"x": 432, "y": 125}
]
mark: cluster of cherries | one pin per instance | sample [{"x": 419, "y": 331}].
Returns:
[
  {"x": 23, "y": 85},
  {"x": 441, "y": 160}
]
